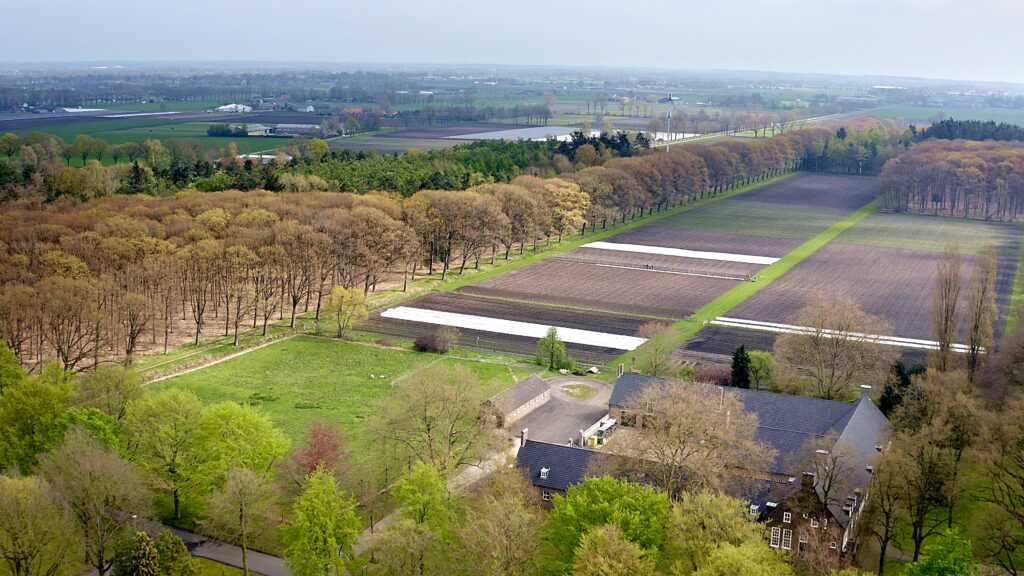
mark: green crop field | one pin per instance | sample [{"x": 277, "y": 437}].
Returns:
[
  {"x": 932, "y": 232},
  {"x": 307, "y": 378},
  {"x": 192, "y": 105},
  {"x": 926, "y": 113},
  {"x": 758, "y": 218},
  {"x": 163, "y": 129}
]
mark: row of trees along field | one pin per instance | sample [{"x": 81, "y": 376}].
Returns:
[
  {"x": 99, "y": 280},
  {"x": 960, "y": 178}
]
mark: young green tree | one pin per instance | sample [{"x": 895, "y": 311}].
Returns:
[
  {"x": 404, "y": 548},
  {"x": 109, "y": 388},
  {"x": 324, "y": 527},
  {"x": 34, "y": 534},
  {"x": 173, "y": 556},
  {"x": 950, "y": 556},
  {"x": 346, "y": 307},
  {"x": 139, "y": 558},
  {"x": 640, "y": 512},
  {"x": 655, "y": 357},
  {"x": 762, "y": 369},
  {"x": 240, "y": 510},
  {"x": 701, "y": 522},
  {"x": 750, "y": 557},
  {"x": 740, "y": 377},
  {"x": 422, "y": 496},
  {"x": 11, "y": 372},
  {"x": 605, "y": 551},
  {"x": 160, "y": 430},
  {"x": 32, "y": 419},
  {"x": 230, "y": 434},
  {"x": 551, "y": 351}
]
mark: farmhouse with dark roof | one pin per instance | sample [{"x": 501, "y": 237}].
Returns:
[{"x": 779, "y": 495}]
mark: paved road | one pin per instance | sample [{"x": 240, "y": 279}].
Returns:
[
  {"x": 204, "y": 547},
  {"x": 562, "y": 417}
]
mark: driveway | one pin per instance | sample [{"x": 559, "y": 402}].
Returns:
[{"x": 562, "y": 417}]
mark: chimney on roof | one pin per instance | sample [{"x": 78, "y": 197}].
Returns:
[
  {"x": 523, "y": 436},
  {"x": 865, "y": 390}
]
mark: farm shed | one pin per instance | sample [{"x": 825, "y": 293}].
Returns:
[
  {"x": 518, "y": 401},
  {"x": 297, "y": 129},
  {"x": 257, "y": 130},
  {"x": 235, "y": 108}
]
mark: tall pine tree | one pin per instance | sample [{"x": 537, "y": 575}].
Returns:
[{"x": 740, "y": 368}]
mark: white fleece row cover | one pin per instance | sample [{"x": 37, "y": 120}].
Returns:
[
  {"x": 513, "y": 327},
  {"x": 791, "y": 329},
  {"x": 663, "y": 251}
]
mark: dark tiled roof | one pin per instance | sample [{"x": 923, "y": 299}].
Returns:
[
  {"x": 787, "y": 422},
  {"x": 521, "y": 393},
  {"x": 567, "y": 465}
]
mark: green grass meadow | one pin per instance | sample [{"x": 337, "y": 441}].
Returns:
[
  {"x": 306, "y": 378},
  {"x": 926, "y": 113}
]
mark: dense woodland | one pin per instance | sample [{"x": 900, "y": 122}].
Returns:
[
  {"x": 970, "y": 130},
  {"x": 959, "y": 178}
]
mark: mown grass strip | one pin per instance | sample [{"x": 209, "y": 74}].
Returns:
[
  {"x": 455, "y": 282},
  {"x": 685, "y": 329},
  {"x": 1016, "y": 296}
]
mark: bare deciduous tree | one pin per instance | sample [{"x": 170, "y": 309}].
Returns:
[
  {"x": 981, "y": 312},
  {"x": 691, "y": 437},
  {"x": 434, "y": 416},
  {"x": 840, "y": 349},
  {"x": 946, "y": 307}
]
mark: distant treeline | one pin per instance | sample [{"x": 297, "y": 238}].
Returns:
[
  {"x": 960, "y": 178},
  {"x": 970, "y": 130},
  {"x": 854, "y": 151}
]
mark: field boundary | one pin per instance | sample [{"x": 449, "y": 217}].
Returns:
[
  {"x": 720, "y": 306},
  {"x": 566, "y": 245},
  {"x": 1016, "y": 296}
]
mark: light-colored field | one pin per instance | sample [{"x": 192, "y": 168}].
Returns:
[
  {"x": 700, "y": 254},
  {"x": 512, "y": 327}
]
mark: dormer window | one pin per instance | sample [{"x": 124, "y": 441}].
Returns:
[
  {"x": 754, "y": 508},
  {"x": 544, "y": 473}
]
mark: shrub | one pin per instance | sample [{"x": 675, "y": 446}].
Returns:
[
  {"x": 442, "y": 340},
  {"x": 713, "y": 373}
]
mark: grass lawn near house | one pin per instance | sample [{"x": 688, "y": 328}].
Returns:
[{"x": 305, "y": 378}]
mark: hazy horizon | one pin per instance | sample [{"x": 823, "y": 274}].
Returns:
[{"x": 932, "y": 39}]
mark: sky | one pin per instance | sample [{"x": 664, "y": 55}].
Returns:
[{"x": 949, "y": 39}]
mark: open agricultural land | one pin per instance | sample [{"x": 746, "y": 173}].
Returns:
[
  {"x": 662, "y": 272},
  {"x": 887, "y": 264}
]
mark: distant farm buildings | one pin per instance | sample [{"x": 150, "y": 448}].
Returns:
[
  {"x": 257, "y": 130},
  {"x": 310, "y": 130},
  {"x": 235, "y": 108}
]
